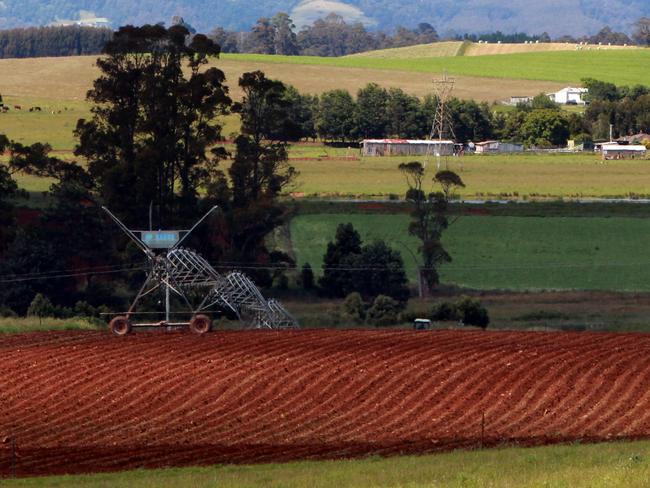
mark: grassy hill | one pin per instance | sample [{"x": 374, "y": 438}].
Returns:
[{"x": 623, "y": 67}]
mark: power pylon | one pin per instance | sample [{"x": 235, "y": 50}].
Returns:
[{"x": 443, "y": 127}]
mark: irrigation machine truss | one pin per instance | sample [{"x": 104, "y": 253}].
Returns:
[{"x": 177, "y": 271}]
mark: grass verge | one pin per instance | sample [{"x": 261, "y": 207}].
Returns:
[
  {"x": 610, "y": 465},
  {"x": 17, "y": 325}
]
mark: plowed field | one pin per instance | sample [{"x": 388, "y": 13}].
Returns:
[{"x": 87, "y": 401}]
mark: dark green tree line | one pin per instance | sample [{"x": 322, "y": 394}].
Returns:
[{"x": 33, "y": 42}]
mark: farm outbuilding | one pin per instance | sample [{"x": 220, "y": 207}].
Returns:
[
  {"x": 569, "y": 95},
  {"x": 488, "y": 147},
  {"x": 517, "y": 99},
  {"x": 614, "y": 150},
  {"x": 407, "y": 147}
]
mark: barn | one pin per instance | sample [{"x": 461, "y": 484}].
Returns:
[{"x": 407, "y": 147}]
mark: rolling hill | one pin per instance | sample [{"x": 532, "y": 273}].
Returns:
[{"x": 577, "y": 17}]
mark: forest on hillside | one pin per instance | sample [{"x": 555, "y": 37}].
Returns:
[{"x": 579, "y": 17}]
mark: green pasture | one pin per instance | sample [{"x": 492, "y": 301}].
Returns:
[
  {"x": 516, "y": 176},
  {"x": 623, "y": 67},
  {"x": 54, "y": 124},
  {"x": 610, "y": 465},
  {"x": 509, "y": 253},
  {"x": 341, "y": 172},
  {"x": 57, "y": 120}
]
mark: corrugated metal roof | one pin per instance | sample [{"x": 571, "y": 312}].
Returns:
[
  {"x": 614, "y": 146},
  {"x": 407, "y": 141}
]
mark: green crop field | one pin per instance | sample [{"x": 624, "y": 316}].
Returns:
[
  {"x": 509, "y": 253},
  {"x": 611, "y": 465},
  {"x": 565, "y": 66},
  {"x": 340, "y": 172}
]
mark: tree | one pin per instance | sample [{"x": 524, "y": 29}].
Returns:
[
  {"x": 607, "y": 36},
  {"x": 151, "y": 140},
  {"x": 69, "y": 234},
  {"x": 258, "y": 174},
  {"x": 301, "y": 114},
  {"x": 544, "y": 128},
  {"x": 332, "y": 36},
  {"x": 370, "y": 270},
  {"x": 641, "y": 33},
  {"x": 347, "y": 241},
  {"x": 370, "y": 115},
  {"x": 261, "y": 39},
  {"x": 542, "y": 101},
  {"x": 472, "y": 121},
  {"x": 430, "y": 218},
  {"x": 600, "y": 90},
  {"x": 376, "y": 270},
  {"x": 8, "y": 191},
  {"x": 228, "y": 41},
  {"x": 404, "y": 114},
  {"x": 335, "y": 120},
  {"x": 284, "y": 38},
  {"x": 41, "y": 307}
]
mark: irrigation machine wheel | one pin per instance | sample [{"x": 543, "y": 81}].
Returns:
[
  {"x": 120, "y": 325},
  {"x": 200, "y": 324}
]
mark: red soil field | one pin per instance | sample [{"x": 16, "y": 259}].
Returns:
[{"x": 87, "y": 401}]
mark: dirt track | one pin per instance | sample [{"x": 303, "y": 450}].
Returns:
[{"x": 79, "y": 401}]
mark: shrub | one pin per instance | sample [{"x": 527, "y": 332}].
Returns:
[
  {"x": 282, "y": 282},
  {"x": 7, "y": 312},
  {"x": 445, "y": 311},
  {"x": 473, "y": 313},
  {"x": 384, "y": 311},
  {"x": 354, "y": 308},
  {"x": 84, "y": 309}
]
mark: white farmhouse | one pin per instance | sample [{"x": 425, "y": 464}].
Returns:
[{"x": 571, "y": 95}]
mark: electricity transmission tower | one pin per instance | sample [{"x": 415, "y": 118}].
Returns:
[{"x": 443, "y": 127}]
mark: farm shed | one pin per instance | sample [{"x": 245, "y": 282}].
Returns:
[
  {"x": 407, "y": 147},
  {"x": 487, "y": 147},
  {"x": 517, "y": 99},
  {"x": 614, "y": 150},
  {"x": 570, "y": 94}
]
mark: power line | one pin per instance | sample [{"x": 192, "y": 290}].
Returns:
[
  {"x": 106, "y": 270},
  {"x": 69, "y": 275}
]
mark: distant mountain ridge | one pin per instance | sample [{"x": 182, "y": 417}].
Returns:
[{"x": 557, "y": 17}]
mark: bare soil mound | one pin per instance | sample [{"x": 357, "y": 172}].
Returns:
[{"x": 87, "y": 401}]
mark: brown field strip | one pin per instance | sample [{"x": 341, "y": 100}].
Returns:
[
  {"x": 69, "y": 78},
  {"x": 86, "y": 401}
]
